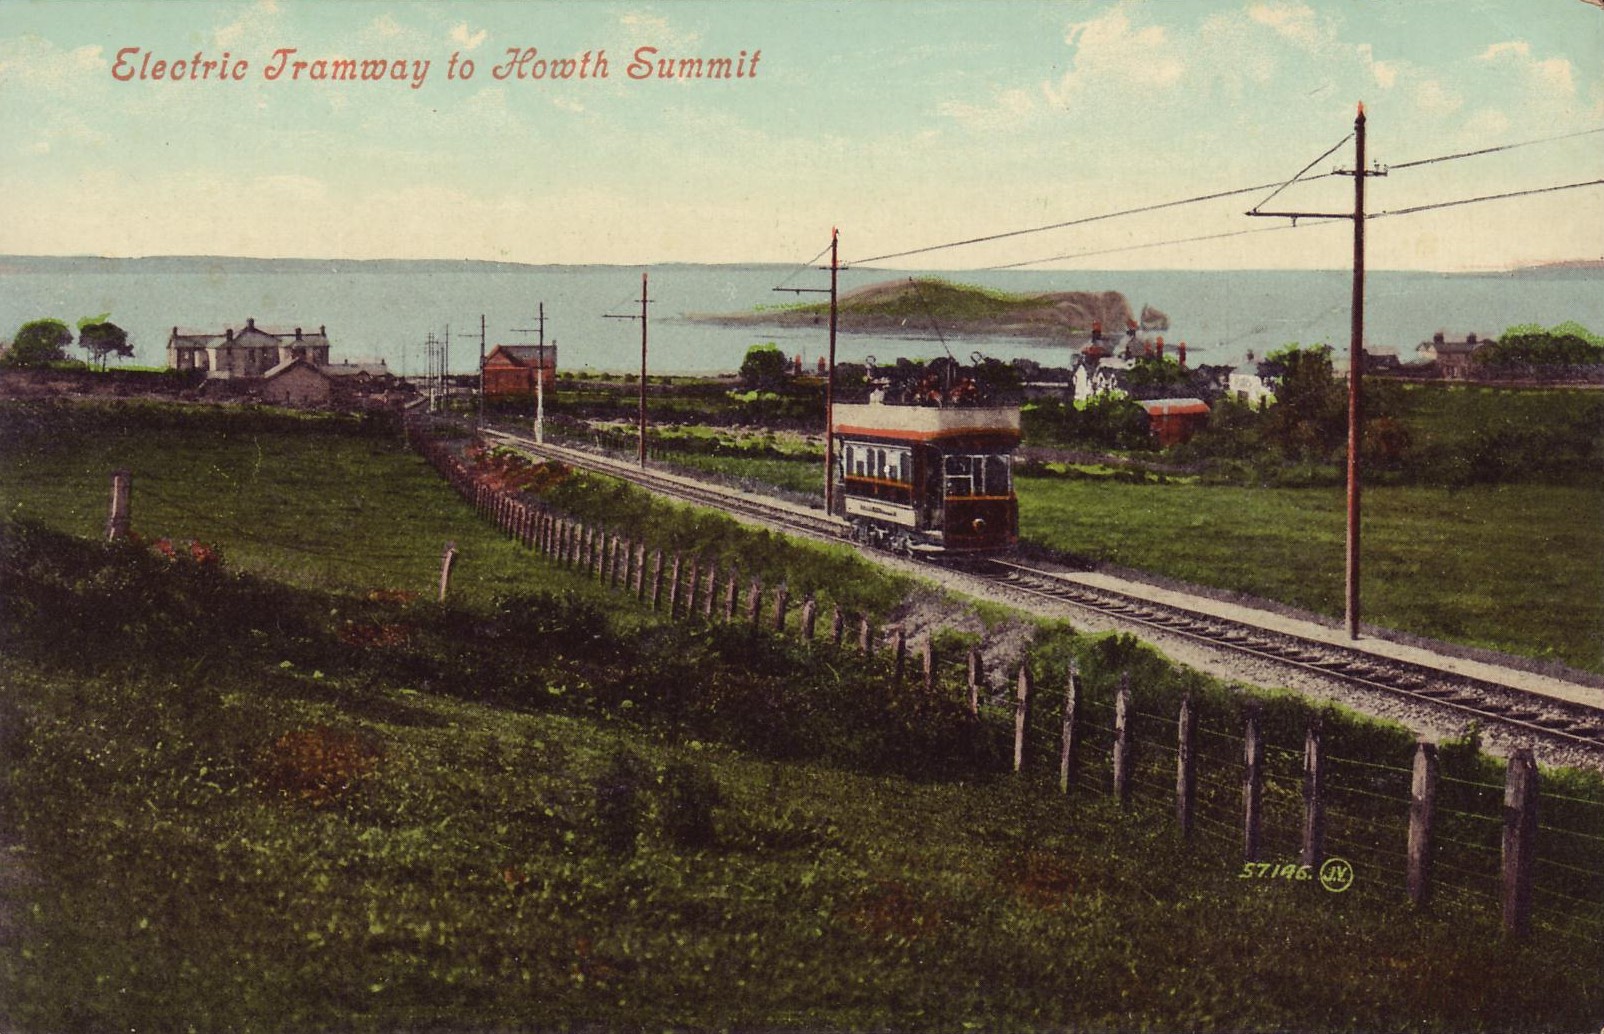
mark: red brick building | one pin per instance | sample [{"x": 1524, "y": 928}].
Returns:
[{"x": 510, "y": 370}]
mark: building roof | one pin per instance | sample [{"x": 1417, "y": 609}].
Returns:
[
  {"x": 524, "y": 355},
  {"x": 207, "y": 338},
  {"x": 1174, "y": 407},
  {"x": 350, "y": 369},
  {"x": 290, "y": 363}
]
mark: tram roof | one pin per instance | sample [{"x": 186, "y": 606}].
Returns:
[{"x": 926, "y": 422}]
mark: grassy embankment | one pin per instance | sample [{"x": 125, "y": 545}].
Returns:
[{"x": 271, "y": 802}]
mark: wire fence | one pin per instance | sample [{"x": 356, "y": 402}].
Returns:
[{"x": 1460, "y": 840}]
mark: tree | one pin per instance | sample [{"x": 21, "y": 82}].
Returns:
[
  {"x": 101, "y": 339},
  {"x": 39, "y": 343},
  {"x": 1310, "y": 417},
  {"x": 764, "y": 367}
]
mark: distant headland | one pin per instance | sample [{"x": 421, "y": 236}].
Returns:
[{"x": 924, "y": 305}]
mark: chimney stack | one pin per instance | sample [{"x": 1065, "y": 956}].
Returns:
[
  {"x": 1181, "y": 348},
  {"x": 250, "y": 323}
]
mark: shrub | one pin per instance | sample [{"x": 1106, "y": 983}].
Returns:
[
  {"x": 620, "y": 808},
  {"x": 690, "y": 793}
]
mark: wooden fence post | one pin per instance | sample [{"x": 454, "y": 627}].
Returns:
[
  {"x": 899, "y": 655},
  {"x": 640, "y": 572},
  {"x": 976, "y": 675},
  {"x": 1186, "y": 766},
  {"x": 122, "y": 492},
  {"x": 838, "y": 626},
  {"x": 712, "y": 592},
  {"x": 673, "y": 587},
  {"x": 782, "y": 602},
  {"x": 1422, "y": 817},
  {"x": 1021, "y": 714},
  {"x": 656, "y": 592},
  {"x": 865, "y": 636},
  {"x": 810, "y": 617},
  {"x": 446, "y": 561},
  {"x": 1066, "y": 750},
  {"x": 754, "y": 601},
  {"x": 1252, "y": 786},
  {"x": 731, "y": 592},
  {"x": 1520, "y": 840},
  {"x": 1123, "y": 754},
  {"x": 691, "y": 582},
  {"x": 927, "y": 662},
  {"x": 1314, "y": 806},
  {"x": 598, "y": 553}
]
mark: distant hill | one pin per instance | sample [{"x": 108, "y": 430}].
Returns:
[
  {"x": 213, "y": 264},
  {"x": 920, "y": 306},
  {"x": 1567, "y": 266}
]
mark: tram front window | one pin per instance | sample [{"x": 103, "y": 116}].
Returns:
[{"x": 985, "y": 475}]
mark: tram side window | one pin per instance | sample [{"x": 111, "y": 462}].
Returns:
[
  {"x": 897, "y": 467},
  {"x": 959, "y": 473}
]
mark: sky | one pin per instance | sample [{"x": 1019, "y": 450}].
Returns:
[{"x": 904, "y": 124}]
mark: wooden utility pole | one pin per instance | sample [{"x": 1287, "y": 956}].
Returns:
[
  {"x": 481, "y": 409},
  {"x": 1356, "y": 363},
  {"x": 1356, "y": 367},
  {"x": 644, "y": 301},
  {"x": 829, "y": 377},
  {"x": 540, "y": 371},
  {"x": 835, "y": 268}
]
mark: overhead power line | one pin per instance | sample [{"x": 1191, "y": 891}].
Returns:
[
  {"x": 1306, "y": 168},
  {"x": 1217, "y": 195},
  {"x": 1077, "y": 222},
  {"x": 1487, "y": 197},
  {"x": 1495, "y": 150},
  {"x": 1164, "y": 243}
]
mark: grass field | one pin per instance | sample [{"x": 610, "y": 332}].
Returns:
[
  {"x": 266, "y": 801},
  {"x": 1511, "y": 567}
]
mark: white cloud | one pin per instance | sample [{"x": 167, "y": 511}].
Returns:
[
  {"x": 1108, "y": 50},
  {"x": 1518, "y": 48},
  {"x": 257, "y": 19},
  {"x": 1296, "y": 22},
  {"x": 460, "y": 34},
  {"x": 1553, "y": 76},
  {"x": 1433, "y": 98},
  {"x": 1487, "y": 124},
  {"x": 1008, "y": 107},
  {"x": 386, "y": 27},
  {"x": 656, "y": 31}
]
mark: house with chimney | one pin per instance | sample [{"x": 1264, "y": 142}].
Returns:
[
  {"x": 510, "y": 370},
  {"x": 1452, "y": 358},
  {"x": 244, "y": 353}
]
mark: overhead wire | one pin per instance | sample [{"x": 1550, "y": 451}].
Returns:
[
  {"x": 1217, "y": 195},
  {"x": 1303, "y": 170}
]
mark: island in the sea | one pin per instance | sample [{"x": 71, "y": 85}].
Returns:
[{"x": 923, "y": 305}]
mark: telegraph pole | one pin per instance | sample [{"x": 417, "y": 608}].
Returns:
[
  {"x": 1356, "y": 351},
  {"x": 644, "y": 301},
  {"x": 829, "y": 381},
  {"x": 540, "y": 371},
  {"x": 481, "y": 417},
  {"x": 1355, "y": 356}
]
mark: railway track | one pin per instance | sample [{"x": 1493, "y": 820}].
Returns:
[
  {"x": 1486, "y": 701},
  {"x": 1518, "y": 711}
]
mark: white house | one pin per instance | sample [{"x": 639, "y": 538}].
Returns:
[{"x": 246, "y": 353}]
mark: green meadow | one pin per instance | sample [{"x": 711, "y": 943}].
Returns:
[{"x": 287, "y": 790}]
